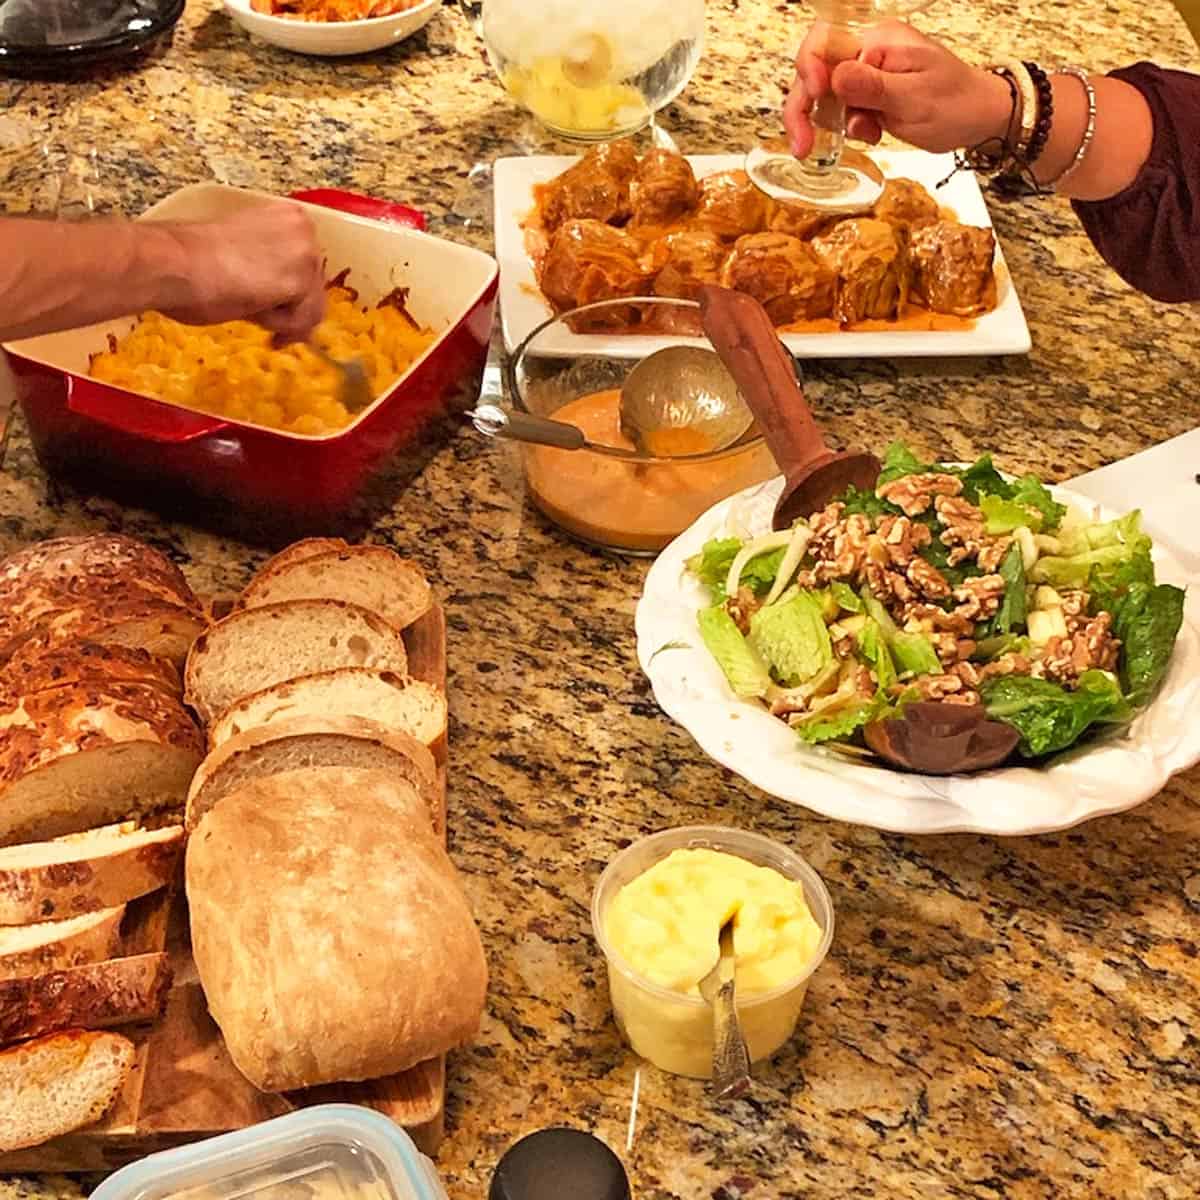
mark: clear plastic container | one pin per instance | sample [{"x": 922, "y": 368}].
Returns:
[
  {"x": 329, "y": 1152},
  {"x": 674, "y": 1030}
]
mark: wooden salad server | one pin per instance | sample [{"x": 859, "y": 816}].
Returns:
[{"x": 745, "y": 339}]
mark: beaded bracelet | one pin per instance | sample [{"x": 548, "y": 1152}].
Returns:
[
  {"x": 1089, "y": 131},
  {"x": 1044, "y": 119}
]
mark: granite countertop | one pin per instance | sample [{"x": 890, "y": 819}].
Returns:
[{"x": 998, "y": 1018}]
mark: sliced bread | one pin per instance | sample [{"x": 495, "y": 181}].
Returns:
[
  {"x": 397, "y": 701},
  {"x": 57, "y": 1084},
  {"x": 121, "y": 991},
  {"x": 306, "y": 548},
  {"x": 126, "y": 618},
  {"x": 85, "y": 873},
  {"x": 260, "y": 647},
  {"x": 52, "y": 945},
  {"x": 40, "y": 664},
  {"x": 373, "y": 576},
  {"x": 73, "y": 758},
  {"x": 314, "y": 742}
]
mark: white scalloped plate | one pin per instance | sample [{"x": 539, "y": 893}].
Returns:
[{"x": 1108, "y": 777}]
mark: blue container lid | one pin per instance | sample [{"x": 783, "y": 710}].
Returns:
[{"x": 329, "y": 1152}]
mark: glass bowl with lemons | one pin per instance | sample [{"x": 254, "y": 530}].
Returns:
[{"x": 592, "y": 70}]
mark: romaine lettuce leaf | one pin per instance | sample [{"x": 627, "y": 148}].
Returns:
[
  {"x": 1008, "y": 643},
  {"x": 911, "y": 652},
  {"x": 914, "y": 654},
  {"x": 1048, "y": 717},
  {"x": 1014, "y": 608},
  {"x": 979, "y": 478},
  {"x": 838, "y": 723},
  {"x": 745, "y": 671},
  {"x": 1104, "y": 544},
  {"x": 867, "y": 503},
  {"x": 711, "y": 567},
  {"x": 791, "y": 637},
  {"x": 847, "y": 598},
  {"x": 1003, "y": 516},
  {"x": 873, "y": 648},
  {"x": 898, "y": 461},
  {"x": 1108, "y": 583},
  {"x": 1030, "y": 492},
  {"x": 1147, "y": 620}
]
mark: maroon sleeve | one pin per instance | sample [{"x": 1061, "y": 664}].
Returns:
[{"x": 1150, "y": 233}]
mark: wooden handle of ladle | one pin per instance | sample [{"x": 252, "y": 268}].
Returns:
[{"x": 745, "y": 339}]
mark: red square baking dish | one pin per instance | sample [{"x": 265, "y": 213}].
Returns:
[{"x": 265, "y": 484}]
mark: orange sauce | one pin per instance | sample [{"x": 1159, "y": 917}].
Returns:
[
  {"x": 915, "y": 319},
  {"x": 624, "y": 504}
]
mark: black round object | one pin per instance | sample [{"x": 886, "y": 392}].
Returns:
[
  {"x": 553, "y": 1164},
  {"x": 51, "y": 36}
]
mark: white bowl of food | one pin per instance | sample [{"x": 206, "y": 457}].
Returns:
[{"x": 332, "y": 28}]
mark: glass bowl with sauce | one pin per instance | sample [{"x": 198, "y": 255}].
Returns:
[
  {"x": 634, "y": 505},
  {"x": 786, "y": 913}
]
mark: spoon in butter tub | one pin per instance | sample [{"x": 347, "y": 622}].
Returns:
[{"x": 731, "y": 1057}]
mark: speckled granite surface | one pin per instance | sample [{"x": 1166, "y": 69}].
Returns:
[{"x": 1014, "y": 1019}]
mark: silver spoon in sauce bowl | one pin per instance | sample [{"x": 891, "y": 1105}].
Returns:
[
  {"x": 678, "y": 401},
  {"x": 731, "y": 1056},
  {"x": 682, "y": 400}
]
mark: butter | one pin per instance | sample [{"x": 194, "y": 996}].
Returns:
[{"x": 663, "y": 928}]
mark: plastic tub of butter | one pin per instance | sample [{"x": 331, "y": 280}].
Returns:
[
  {"x": 659, "y": 1009},
  {"x": 329, "y": 1152}
]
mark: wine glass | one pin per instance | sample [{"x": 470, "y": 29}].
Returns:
[
  {"x": 832, "y": 177},
  {"x": 592, "y": 70}
]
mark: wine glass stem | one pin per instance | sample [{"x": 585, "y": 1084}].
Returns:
[{"x": 829, "y": 134}]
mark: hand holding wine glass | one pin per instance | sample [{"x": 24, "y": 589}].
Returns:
[{"x": 902, "y": 83}]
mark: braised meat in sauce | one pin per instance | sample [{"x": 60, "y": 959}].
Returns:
[
  {"x": 663, "y": 190},
  {"x": 588, "y": 261},
  {"x": 783, "y": 275},
  {"x": 730, "y": 206},
  {"x": 686, "y": 261},
  {"x": 870, "y": 260},
  {"x": 952, "y": 268},
  {"x": 617, "y": 224},
  {"x": 906, "y": 203},
  {"x": 596, "y": 188}
]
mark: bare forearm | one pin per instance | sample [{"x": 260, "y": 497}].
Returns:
[
  {"x": 55, "y": 275},
  {"x": 1123, "y": 137}
]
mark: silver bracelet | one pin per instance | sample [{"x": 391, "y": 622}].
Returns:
[{"x": 1089, "y": 131}]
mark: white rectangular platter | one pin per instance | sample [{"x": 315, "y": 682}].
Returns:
[{"x": 523, "y": 308}]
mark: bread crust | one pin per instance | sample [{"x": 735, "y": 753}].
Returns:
[
  {"x": 121, "y": 991},
  {"x": 75, "y": 877},
  {"x": 415, "y": 761}
]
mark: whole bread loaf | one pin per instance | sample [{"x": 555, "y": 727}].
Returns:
[{"x": 330, "y": 929}]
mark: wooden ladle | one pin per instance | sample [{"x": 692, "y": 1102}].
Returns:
[{"x": 745, "y": 339}]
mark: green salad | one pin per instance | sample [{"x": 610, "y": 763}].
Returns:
[{"x": 947, "y": 584}]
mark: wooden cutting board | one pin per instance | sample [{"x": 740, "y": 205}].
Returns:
[{"x": 184, "y": 1086}]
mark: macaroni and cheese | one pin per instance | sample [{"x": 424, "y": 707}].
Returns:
[{"x": 232, "y": 370}]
